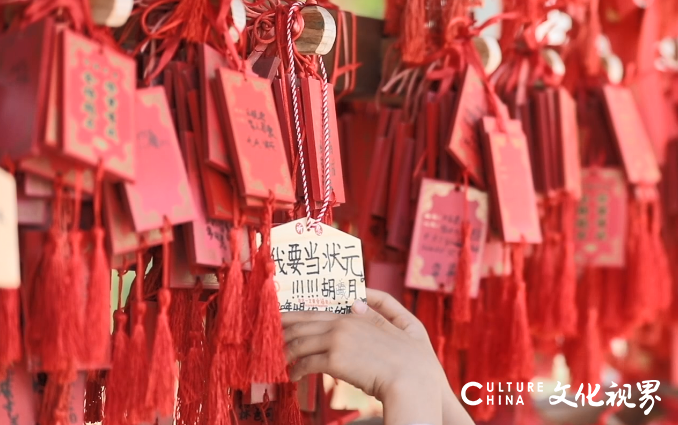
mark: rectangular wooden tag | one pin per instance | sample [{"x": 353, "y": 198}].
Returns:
[
  {"x": 471, "y": 107},
  {"x": 123, "y": 238},
  {"x": 17, "y": 399},
  {"x": 508, "y": 162},
  {"x": 49, "y": 166},
  {"x": 436, "y": 238},
  {"x": 161, "y": 188},
  {"x": 568, "y": 141},
  {"x": 207, "y": 240},
  {"x": 98, "y": 85},
  {"x": 398, "y": 222},
  {"x": 214, "y": 141},
  {"x": 24, "y": 84},
  {"x": 182, "y": 275},
  {"x": 255, "y": 138},
  {"x": 633, "y": 142},
  {"x": 543, "y": 173},
  {"x": 601, "y": 218},
  {"x": 311, "y": 90},
  {"x": 10, "y": 268}
]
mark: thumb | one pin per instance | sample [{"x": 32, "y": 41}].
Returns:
[{"x": 361, "y": 308}]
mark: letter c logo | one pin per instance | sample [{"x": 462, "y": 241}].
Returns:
[{"x": 463, "y": 394}]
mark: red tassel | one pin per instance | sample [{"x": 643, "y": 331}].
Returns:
[
  {"x": 414, "y": 35},
  {"x": 392, "y": 17},
  {"x": 98, "y": 328},
  {"x": 287, "y": 409},
  {"x": 521, "y": 352},
  {"x": 661, "y": 269},
  {"x": 11, "y": 348},
  {"x": 462, "y": 289},
  {"x": 479, "y": 360},
  {"x": 501, "y": 327},
  {"x": 566, "y": 297},
  {"x": 218, "y": 401},
  {"x": 540, "y": 276},
  {"x": 268, "y": 362},
  {"x": 638, "y": 299},
  {"x": 117, "y": 380},
  {"x": 163, "y": 373},
  {"x": 230, "y": 315},
  {"x": 55, "y": 399},
  {"x": 139, "y": 366},
  {"x": 94, "y": 391},
  {"x": 179, "y": 317}
]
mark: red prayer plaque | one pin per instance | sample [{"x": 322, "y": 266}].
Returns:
[
  {"x": 568, "y": 141},
  {"x": 182, "y": 275},
  {"x": 123, "y": 238},
  {"x": 471, "y": 107},
  {"x": 98, "y": 85},
  {"x": 436, "y": 237},
  {"x": 255, "y": 139},
  {"x": 50, "y": 166},
  {"x": 601, "y": 218},
  {"x": 207, "y": 240},
  {"x": 387, "y": 277},
  {"x": 24, "y": 81},
  {"x": 632, "y": 139},
  {"x": 161, "y": 186},
  {"x": 214, "y": 142},
  {"x": 311, "y": 90},
  {"x": 510, "y": 172},
  {"x": 18, "y": 403}
]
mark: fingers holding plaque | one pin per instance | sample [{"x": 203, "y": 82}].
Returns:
[{"x": 317, "y": 269}]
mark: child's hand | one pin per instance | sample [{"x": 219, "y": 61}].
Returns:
[{"x": 387, "y": 355}]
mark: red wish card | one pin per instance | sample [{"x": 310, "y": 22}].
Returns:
[
  {"x": 632, "y": 139},
  {"x": 24, "y": 81},
  {"x": 311, "y": 90},
  {"x": 98, "y": 85},
  {"x": 471, "y": 107},
  {"x": 48, "y": 167},
  {"x": 508, "y": 163},
  {"x": 160, "y": 189},
  {"x": 123, "y": 238},
  {"x": 214, "y": 142},
  {"x": 601, "y": 218},
  {"x": 254, "y": 135},
  {"x": 568, "y": 141},
  {"x": 495, "y": 259},
  {"x": 33, "y": 212},
  {"x": 437, "y": 238}
]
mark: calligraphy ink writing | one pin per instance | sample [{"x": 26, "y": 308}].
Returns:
[{"x": 6, "y": 391}]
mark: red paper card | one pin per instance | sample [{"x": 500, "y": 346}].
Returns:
[
  {"x": 495, "y": 261},
  {"x": 464, "y": 144},
  {"x": 311, "y": 90},
  {"x": 511, "y": 174},
  {"x": 24, "y": 82},
  {"x": 161, "y": 188},
  {"x": 98, "y": 86},
  {"x": 17, "y": 399},
  {"x": 254, "y": 135},
  {"x": 214, "y": 141},
  {"x": 436, "y": 237},
  {"x": 568, "y": 140},
  {"x": 632, "y": 139},
  {"x": 255, "y": 394},
  {"x": 601, "y": 218},
  {"x": 123, "y": 238}
]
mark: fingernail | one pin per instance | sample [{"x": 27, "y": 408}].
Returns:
[
  {"x": 359, "y": 307},
  {"x": 295, "y": 378}
]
